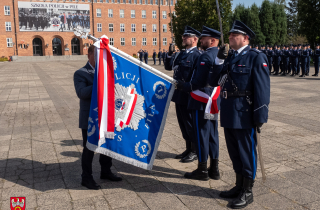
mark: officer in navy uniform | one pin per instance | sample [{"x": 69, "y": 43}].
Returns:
[
  {"x": 285, "y": 61},
  {"x": 141, "y": 55},
  {"x": 316, "y": 60},
  {"x": 154, "y": 55},
  {"x": 290, "y": 59},
  {"x": 205, "y": 127},
  {"x": 83, "y": 82},
  {"x": 245, "y": 98},
  {"x": 159, "y": 56},
  {"x": 309, "y": 59},
  {"x": 270, "y": 55},
  {"x": 295, "y": 60},
  {"x": 183, "y": 64},
  {"x": 304, "y": 60},
  {"x": 277, "y": 59},
  {"x": 299, "y": 63},
  {"x": 146, "y": 55}
]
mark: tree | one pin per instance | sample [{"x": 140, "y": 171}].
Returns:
[
  {"x": 292, "y": 18},
  {"x": 277, "y": 20},
  {"x": 268, "y": 27},
  {"x": 309, "y": 18},
  {"x": 254, "y": 23},
  {"x": 241, "y": 13},
  {"x": 283, "y": 25},
  {"x": 197, "y": 13}
]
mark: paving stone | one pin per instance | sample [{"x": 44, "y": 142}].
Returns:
[
  {"x": 53, "y": 197},
  {"x": 123, "y": 199}
]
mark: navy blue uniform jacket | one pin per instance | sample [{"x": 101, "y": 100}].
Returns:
[
  {"x": 83, "y": 81},
  {"x": 145, "y": 55},
  {"x": 199, "y": 81},
  {"x": 249, "y": 72},
  {"x": 154, "y": 55},
  {"x": 160, "y": 54},
  {"x": 186, "y": 62}
]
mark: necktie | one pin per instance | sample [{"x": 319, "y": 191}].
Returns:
[{"x": 236, "y": 53}]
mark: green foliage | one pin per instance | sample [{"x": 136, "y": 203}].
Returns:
[
  {"x": 2, "y": 59},
  {"x": 255, "y": 25},
  {"x": 309, "y": 17},
  {"x": 241, "y": 13},
  {"x": 197, "y": 13},
  {"x": 268, "y": 26}
]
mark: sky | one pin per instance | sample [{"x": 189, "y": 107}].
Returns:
[{"x": 247, "y": 3}]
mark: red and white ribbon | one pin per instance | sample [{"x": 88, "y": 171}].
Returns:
[
  {"x": 212, "y": 110},
  {"x": 106, "y": 94}
]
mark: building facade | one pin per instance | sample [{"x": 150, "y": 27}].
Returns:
[{"x": 45, "y": 27}]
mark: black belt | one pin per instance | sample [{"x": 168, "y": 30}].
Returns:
[{"x": 239, "y": 93}]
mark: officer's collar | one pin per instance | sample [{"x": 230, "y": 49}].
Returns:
[
  {"x": 191, "y": 48},
  {"x": 241, "y": 49}
]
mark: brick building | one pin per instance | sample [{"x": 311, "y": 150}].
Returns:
[{"x": 40, "y": 27}]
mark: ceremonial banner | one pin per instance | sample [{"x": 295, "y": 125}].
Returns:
[{"x": 138, "y": 109}]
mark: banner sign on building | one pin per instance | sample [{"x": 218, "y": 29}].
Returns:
[
  {"x": 141, "y": 100},
  {"x": 43, "y": 16}
]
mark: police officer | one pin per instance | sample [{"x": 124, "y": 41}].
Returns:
[
  {"x": 270, "y": 54},
  {"x": 141, "y": 55},
  {"x": 299, "y": 63},
  {"x": 285, "y": 61},
  {"x": 295, "y": 60},
  {"x": 263, "y": 49},
  {"x": 145, "y": 56},
  {"x": 164, "y": 55},
  {"x": 277, "y": 59},
  {"x": 183, "y": 64},
  {"x": 69, "y": 20},
  {"x": 316, "y": 60},
  {"x": 205, "y": 126},
  {"x": 159, "y": 56},
  {"x": 309, "y": 59},
  {"x": 61, "y": 17},
  {"x": 304, "y": 60},
  {"x": 290, "y": 59},
  {"x": 154, "y": 55},
  {"x": 245, "y": 99}
]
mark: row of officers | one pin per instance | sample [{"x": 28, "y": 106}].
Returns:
[
  {"x": 291, "y": 59},
  {"x": 241, "y": 79}
]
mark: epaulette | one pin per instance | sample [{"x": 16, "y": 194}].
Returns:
[{"x": 255, "y": 50}]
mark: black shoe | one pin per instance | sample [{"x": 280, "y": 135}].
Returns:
[
  {"x": 182, "y": 155},
  {"x": 307, "y": 74},
  {"x": 315, "y": 75},
  {"x": 111, "y": 176},
  {"x": 235, "y": 191},
  {"x": 90, "y": 184},
  {"x": 189, "y": 158},
  {"x": 302, "y": 75},
  {"x": 213, "y": 171},
  {"x": 246, "y": 195},
  {"x": 201, "y": 173}
]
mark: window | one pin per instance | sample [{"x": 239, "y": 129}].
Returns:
[
  {"x": 144, "y": 41},
  {"x": 111, "y": 41},
  {"x": 6, "y": 10},
  {"x": 151, "y": 2},
  {"x": 121, "y": 27},
  {"x": 133, "y": 14},
  {"x": 161, "y": 2},
  {"x": 107, "y": 1},
  {"x": 154, "y": 14},
  {"x": 124, "y": 1},
  {"x": 156, "y": 2},
  {"x": 129, "y": 1},
  {"x": 99, "y": 27},
  {"x": 101, "y": 1},
  {"x": 171, "y": 2},
  {"x": 144, "y": 27},
  {"x": 164, "y": 41},
  {"x": 8, "y": 26},
  {"x": 110, "y": 27},
  {"x": 143, "y": 14},
  {"x": 122, "y": 41},
  {"x": 98, "y": 12},
  {"x": 110, "y": 13},
  {"x": 164, "y": 28},
  {"x": 121, "y": 13},
  {"x": 154, "y": 27},
  {"x": 164, "y": 14},
  {"x": 145, "y": 1},
  {"x": 133, "y": 41},
  {"x": 9, "y": 42},
  {"x": 154, "y": 41},
  {"x": 112, "y": 1},
  {"x": 118, "y": 1},
  {"x": 135, "y": 1},
  {"x": 140, "y": 1},
  {"x": 133, "y": 27}
]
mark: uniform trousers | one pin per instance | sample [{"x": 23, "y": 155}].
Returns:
[
  {"x": 316, "y": 66},
  {"x": 241, "y": 145},
  {"x": 276, "y": 66},
  {"x": 159, "y": 61},
  {"x": 304, "y": 67},
  {"x": 154, "y": 61},
  {"x": 207, "y": 136},
  {"x": 146, "y": 61},
  {"x": 87, "y": 157},
  {"x": 294, "y": 66},
  {"x": 270, "y": 64},
  {"x": 184, "y": 117},
  {"x": 299, "y": 66},
  {"x": 308, "y": 65}
]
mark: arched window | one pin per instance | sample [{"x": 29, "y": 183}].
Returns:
[
  {"x": 75, "y": 45},
  {"x": 37, "y": 47},
  {"x": 56, "y": 46}
]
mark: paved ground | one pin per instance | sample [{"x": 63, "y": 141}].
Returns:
[{"x": 40, "y": 148}]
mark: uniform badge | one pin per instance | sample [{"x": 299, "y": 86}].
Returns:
[
  {"x": 188, "y": 61},
  {"x": 264, "y": 65},
  {"x": 202, "y": 63},
  {"x": 241, "y": 65},
  {"x": 245, "y": 52},
  {"x": 160, "y": 90},
  {"x": 18, "y": 203}
]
